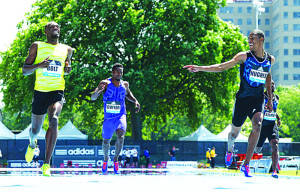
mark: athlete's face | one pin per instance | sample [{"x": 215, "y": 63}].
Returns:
[
  {"x": 53, "y": 30},
  {"x": 254, "y": 42},
  {"x": 117, "y": 73}
]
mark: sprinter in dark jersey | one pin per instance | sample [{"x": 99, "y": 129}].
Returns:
[
  {"x": 255, "y": 71},
  {"x": 270, "y": 130},
  {"x": 114, "y": 93}
]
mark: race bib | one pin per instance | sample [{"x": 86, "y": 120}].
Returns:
[
  {"x": 113, "y": 107},
  {"x": 271, "y": 116},
  {"x": 54, "y": 69},
  {"x": 258, "y": 76}
]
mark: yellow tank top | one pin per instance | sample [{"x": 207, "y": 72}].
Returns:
[
  {"x": 212, "y": 153},
  {"x": 51, "y": 78}
]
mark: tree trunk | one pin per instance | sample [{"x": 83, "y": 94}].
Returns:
[{"x": 136, "y": 122}]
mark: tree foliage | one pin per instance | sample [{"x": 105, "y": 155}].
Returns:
[
  {"x": 289, "y": 111},
  {"x": 153, "y": 39}
]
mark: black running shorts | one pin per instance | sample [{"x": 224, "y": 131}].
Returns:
[
  {"x": 246, "y": 106},
  {"x": 42, "y": 100},
  {"x": 269, "y": 131}
]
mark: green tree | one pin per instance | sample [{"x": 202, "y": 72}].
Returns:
[
  {"x": 289, "y": 111},
  {"x": 153, "y": 39}
]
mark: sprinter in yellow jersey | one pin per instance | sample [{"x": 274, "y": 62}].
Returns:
[{"x": 51, "y": 61}]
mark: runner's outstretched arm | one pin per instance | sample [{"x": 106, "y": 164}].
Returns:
[{"x": 238, "y": 58}]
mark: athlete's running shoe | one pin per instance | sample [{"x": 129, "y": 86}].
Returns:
[
  {"x": 274, "y": 174},
  {"x": 29, "y": 154},
  {"x": 104, "y": 167},
  {"x": 228, "y": 158},
  {"x": 246, "y": 169},
  {"x": 46, "y": 170},
  {"x": 116, "y": 168}
]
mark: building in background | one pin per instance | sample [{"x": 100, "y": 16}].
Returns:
[{"x": 280, "y": 21}]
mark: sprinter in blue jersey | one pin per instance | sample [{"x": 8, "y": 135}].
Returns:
[
  {"x": 270, "y": 130},
  {"x": 115, "y": 91},
  {"x": 255, "y": 71}
]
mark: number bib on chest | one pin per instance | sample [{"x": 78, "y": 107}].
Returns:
[
  {"x": 271, "y": 116},
  {"x": 54, "y": 69},
  {"x": 113, "y": 107},
  {"x": 258, "y": 75}
]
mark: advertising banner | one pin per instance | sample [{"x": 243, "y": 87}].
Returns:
[
  {"x": 23, "y": 164},
  {"x": 85, "y": 155}
]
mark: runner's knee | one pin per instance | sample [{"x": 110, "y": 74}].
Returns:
[{"x": 53, "y": 121}]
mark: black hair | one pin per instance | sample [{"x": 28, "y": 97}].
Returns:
[
  {"x": 260, "y": 33},
  {"x": 48, "y": 24},
  {"x": 117, "y": 65}
]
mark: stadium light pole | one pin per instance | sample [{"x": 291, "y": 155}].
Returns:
[{"x": 258, "y": 9}]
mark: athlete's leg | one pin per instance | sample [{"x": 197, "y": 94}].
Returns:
[
  {"x": 254, "y": 135},
  {"x": 36, "y": 125},
  {"x": 232, "y": 135},
  {"x": 119, "y": 143},
  {"x": 51, "y": 135},
  {"x": 275, "y": 153},
  {"x": 105, "y": 148}
]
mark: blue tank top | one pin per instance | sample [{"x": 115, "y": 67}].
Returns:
[
  {"x": 114, "y": 100},
  {"x": 270, "y": 117},
  {"x": 253, "y": 75}
]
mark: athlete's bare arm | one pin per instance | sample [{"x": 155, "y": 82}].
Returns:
[
  {"x": 130, "y": 97},
  {"x": 68, "y": 67},
  {"x": 101, "y": 88},
  {"x": 28, "y": 67},
  {"x": 269, "y": 87},
  {"x": 238, "y": 58}
]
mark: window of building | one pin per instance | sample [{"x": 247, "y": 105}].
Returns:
[
  {"x": 296, "y": 39},
  {"x": 267, "y": 45},
  {"x": 276, "y": 53},
  {"x": 296, "y": 2},
  {"x": 240, "y": 21},
  {"x": 296, "y": 64},
  {"x": 267, "y": 21},
  {"x": 240, "y": 9},
  {"x": 296, "y": 15},
  {"x": 286, "y": 2},
  {"x": 296, "y": 76},
  {"x": 276, "y": 29},
  {"x": 226, "y": 10},
  {"x": 286, "y": 27},
  {"x": 276, "y": 41},
  {"x": 248, "y": 32},
  {"x": 286, "y": 77},
  {"x": 286, "y": 15},
  {"x": 276, "y": 79},
  {"x": 267, "y": 10},
  {"x": 285, "y": 39},
  {"x": 296, "y": 27},
  {"x": 249, "y": 21},
  {"x": 228, "y": 20},
  {"x": 285, "y": 52},
  {"x": 275, "y": 18},
  {"x": 249, "y": 9},
  {"x": 267, "y": 33},
  {"x": 259, "y": 21},
  {"x": 275, "y": 66},
  {"x": 296, "y": 51},
  {"x": 286, "y": 64},
  {"x": 275, "y": 5}
]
